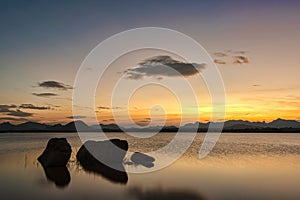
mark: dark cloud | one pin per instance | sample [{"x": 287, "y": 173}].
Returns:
[
  {"x": 256, "y": 85},
  {"x": 45, "y": 94},
  {"x": 76, "y": 117},
  {"x": 33, "y": 107},
  {"x": 18, "y": 113},
  {"x": 107, "y": 120},
  {"x": 221, "y": 62},
  {"x": 10, "y": 110},
  {"x": 6, "y": 108},
  {"x": 240, "y": 60},
  {"x": 13, "y": 119},
  {"x": 55, "y": 85},
  {"x": 163, "y": 66},
  {"x": 108, "y": 108}
]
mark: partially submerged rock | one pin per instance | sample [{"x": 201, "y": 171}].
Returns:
[
  {"x": 142, "y": 159},
  {"x": 104, "y": 158},
  {"x": 108, "y": 151},
  {"x": 56, "y": 154}
]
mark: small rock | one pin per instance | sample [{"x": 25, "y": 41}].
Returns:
[{"x": 142, "y": 159}]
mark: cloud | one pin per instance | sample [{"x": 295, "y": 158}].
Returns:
[
  {"x": 45, "y": 94},
  {"x": 19, "y": 113},
  {"x": 220, "y": 54},
  {"x": 221, "y": 62},
  {"x": 240, "y": 60},
  {"x": 6, "y": 108},
  {"x": 143, "y": 122},
  {"x": 76, "y": 117},
  {"x": 230, "y": 56},
  {"x": 107, "y": 120},
  {"x": 108, "y": 108},
  {"x": 55, "y": 85},
  {"x": 32, "y": 107},
  {"x": 13, "y": 119},
  {"x": 163, "y": 66}
]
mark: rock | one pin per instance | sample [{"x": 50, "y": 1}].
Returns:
[
  {"x": 56, "y": 154},
  {"x": 142, "y": 159},
  {"x": 110, "y": 153}
]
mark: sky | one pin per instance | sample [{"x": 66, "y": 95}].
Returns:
[{"x": 254, "y": 44}]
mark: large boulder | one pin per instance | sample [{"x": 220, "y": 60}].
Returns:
[
  {"x": 108, "y": 151},
  {"x": 104, "y": 158},
  {"x": 56, "y": 154}
]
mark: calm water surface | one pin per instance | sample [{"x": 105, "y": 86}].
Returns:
[{"x": 241, "y": 166}]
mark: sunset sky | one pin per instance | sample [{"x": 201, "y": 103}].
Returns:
[{"x": 255, "y": 45}]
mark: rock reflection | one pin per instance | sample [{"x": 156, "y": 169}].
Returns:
[
  {"x": 154, "y": 194},
  {"x": 59, "y": 175},
  {"x": 111, "y": 174}
]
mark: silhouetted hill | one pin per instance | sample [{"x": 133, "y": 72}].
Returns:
[
  {"x": 6, "y": 126},
  {"x": 31, "y": 126},
  {"x": 278, "y": 125},
  {"x": 107, "y": 127},
  {"x": 76, "y": 125},
  {"x": 282, "y": 123}
]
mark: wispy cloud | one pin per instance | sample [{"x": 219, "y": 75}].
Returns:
[
  {"x": 220, "y": 54},
  {"x": 108, "y": 108},
  {"x": 240, "y": 60},
  {"x": 13, "y": 119},
  {"x": 33, "y": 107},
  {"x": 218, "y": 61},
  {"x": 163, "y": 66},
  {"x": 45, "y": 94},
  {"x": 19, "y": 113},
  {"x": 54, "y": 85},
  {"x": 76, "y": 117},
  {"x": 6, "y": 108},
  {"x": 231, "y": 57},
  {"x": 107, "y": 120},
  {"x": 14, "y": 110},
  {"x": 143, "y": 122}
]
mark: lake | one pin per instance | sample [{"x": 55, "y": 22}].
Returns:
[{"x": 241, "y": 166}]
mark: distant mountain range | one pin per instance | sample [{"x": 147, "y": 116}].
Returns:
[{"x": 278, "y": 125}]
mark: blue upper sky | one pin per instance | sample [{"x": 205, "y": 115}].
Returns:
[{"x": 31, "y": 24}]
